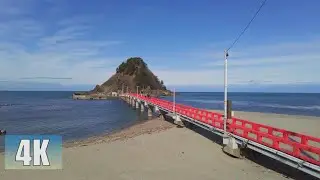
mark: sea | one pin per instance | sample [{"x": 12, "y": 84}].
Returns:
[{"x": 44, "y": 112}]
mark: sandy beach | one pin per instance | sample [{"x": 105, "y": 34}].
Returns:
[
  {"x": 154, "y": 149},
  {"x": 173, "y": 153}
]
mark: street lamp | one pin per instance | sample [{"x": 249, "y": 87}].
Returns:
[
  {"x": 225, "y": 118},
  {"x": 174, "y": 101}
]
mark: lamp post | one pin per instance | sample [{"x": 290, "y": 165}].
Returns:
[
  {"x": 225, "y": 118},
  {"x": 174, "y": 101}
]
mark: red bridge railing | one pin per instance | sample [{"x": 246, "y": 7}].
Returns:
[{"x": 298, "y": 145}]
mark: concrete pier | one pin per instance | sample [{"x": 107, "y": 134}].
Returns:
[
  {"x": 133, "y": 103},
  {"x": 177, "y": 121},
  {"x": 149, "y": 111},
  {"x": 130, "y": 102},
  {"x": 232, "y": 148},
  {"x": 162, "y": 117},
  {"x": 156, "y": 109},
  {"x": 142, "y": 107},
  {"x": 137, "y": 105}
]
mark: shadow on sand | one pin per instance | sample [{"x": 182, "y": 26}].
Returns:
[{"x": 267, "y": 162}]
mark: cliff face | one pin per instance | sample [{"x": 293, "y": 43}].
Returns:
[{"x": 130, "y": 74}]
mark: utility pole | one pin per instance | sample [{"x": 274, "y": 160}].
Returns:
[
  {"x": 174, "y": 101},
  {"x": 225, "y": 118}
]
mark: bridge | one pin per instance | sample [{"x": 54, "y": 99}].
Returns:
[{"x": 297, "y": 150}]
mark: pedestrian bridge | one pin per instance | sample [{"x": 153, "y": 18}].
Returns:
[{"x": 294, "y": 149}]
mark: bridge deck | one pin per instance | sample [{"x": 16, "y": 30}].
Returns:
[{"x": 295, "y": 149}]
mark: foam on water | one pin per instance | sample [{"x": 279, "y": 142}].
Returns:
[
  {"x": 290, "y": 107},
  {"x": 251, "y": 103},
  {"x": 281, "y": 103}
]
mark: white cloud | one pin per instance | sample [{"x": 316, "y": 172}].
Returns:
[
  {"x": 20, "y": 29},
  {"x": 260, "y": 62},
  {"x": 28, "y": 48},
  {"x": 14, "y": 8},
  {"x": 278, "y": 63},
  {"x": 31, "y": 48}
]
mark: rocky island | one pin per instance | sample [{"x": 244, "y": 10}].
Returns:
[{"x": 130, "y": 75}]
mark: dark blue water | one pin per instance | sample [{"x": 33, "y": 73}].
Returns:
[
  {"x": 57, "y": 113},
  {"x": 281, "y": 103}
]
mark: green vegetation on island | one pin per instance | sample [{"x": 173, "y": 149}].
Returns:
[{"x": 132, "y": 73}]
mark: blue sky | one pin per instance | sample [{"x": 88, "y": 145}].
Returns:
[{"x": 69, "y": 43}]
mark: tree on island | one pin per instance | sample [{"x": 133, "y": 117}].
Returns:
[{"x": 132, "y": 73}]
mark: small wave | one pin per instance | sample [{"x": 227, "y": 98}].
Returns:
[
  {"x": 8, "y": 105},
  {"x": 290, "y": 107},
  {"x": 251, "y": 103},
  {"x": 205, "y": 101},
  {"x": 244, "y": 103},
  {"x": 50, "y": 108}
]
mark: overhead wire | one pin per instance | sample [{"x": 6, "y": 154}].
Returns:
[{"x": 247, "y": 26}]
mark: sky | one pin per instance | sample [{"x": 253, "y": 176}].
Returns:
[{"x": 71, "y": 44}]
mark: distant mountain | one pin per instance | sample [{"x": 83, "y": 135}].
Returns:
[{"x": 132, "y": 74}]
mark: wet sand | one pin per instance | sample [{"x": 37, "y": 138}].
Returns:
[{"x": 155, "y": 149}]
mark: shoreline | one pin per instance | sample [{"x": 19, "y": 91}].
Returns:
[
  {"x": 248, "y": 111},
  {"x": 156, "y": 147},
  {"x": 297, "y": 123},
  {"x": 123, "y": 133},
  {"x": 159, "y": 150},
  {"x": 131, "y": 131}
]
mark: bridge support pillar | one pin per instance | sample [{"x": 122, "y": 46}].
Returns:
[
  {"x": 142, "y": 106},
  {"x": 137, "y": 104},
  {"x": 156, "y": 109},
  {"x": 162, "y": 116},
  {"x": 178, "y": 121},
  {"x": 133, "y": 103},
  {"x": 232, "y": 148},
  {"x": 149, "y": 111},
  {"x": 129, "y": 101}
]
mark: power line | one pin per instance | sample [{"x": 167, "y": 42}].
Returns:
[{"x": 245, "y": 29}]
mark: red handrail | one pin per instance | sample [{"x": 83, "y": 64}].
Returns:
[{"x": 295, "y": 144}]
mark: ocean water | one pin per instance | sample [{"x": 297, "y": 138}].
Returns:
[
  {"x": 57, "y": 113},
  {"x": 281, "y": 103}
]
